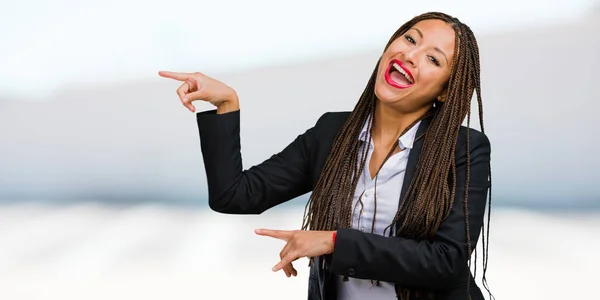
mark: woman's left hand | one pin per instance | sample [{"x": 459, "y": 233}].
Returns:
[{"x": 300, "y": 243}]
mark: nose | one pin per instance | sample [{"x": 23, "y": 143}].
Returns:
[{"x": 410, "y": 57}]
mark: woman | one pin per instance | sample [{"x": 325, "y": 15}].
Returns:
[{"x": 397, "y": 201}]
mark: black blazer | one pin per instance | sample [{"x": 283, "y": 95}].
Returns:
[{"x": 439, "y": 263}]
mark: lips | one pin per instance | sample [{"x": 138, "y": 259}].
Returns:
[{"x": 398, "y": 75}]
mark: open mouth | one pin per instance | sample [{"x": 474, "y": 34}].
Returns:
[{"x": 398, "y": 75}]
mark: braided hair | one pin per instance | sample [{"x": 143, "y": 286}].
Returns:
[{"x": 431, "y": 193}]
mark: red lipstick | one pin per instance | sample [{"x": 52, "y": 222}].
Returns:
[{"x": 393, "y": 83}]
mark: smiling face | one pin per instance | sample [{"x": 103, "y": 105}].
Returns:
[{"x": 416, "y": 66}]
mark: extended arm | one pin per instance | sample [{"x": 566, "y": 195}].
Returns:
[{"x": 233, "y": 190}]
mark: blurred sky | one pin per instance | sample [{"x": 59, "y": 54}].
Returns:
[{"x": 49, "y": 43}]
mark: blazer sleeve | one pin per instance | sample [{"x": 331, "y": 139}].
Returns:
[
  {"x": 233, "y": 190},
  {"x": 439, "y": 262}
]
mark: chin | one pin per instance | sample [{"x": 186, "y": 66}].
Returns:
[
  {"x": 401, "y": 103},
  {"x": 385, "y": 94}
]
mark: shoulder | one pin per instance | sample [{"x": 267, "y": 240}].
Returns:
[
  {"x": 478, "y": 141},
  {"x": 332, "y": 121},
  {"x": 473, "y": 133},
  {"x": 333, "y": 118},
  {"x": 329, "y": 124}
]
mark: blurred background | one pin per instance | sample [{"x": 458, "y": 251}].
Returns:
[{"x": 102, "y": 185}]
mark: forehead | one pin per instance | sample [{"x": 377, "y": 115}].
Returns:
[{"x": 436, "y": 33}]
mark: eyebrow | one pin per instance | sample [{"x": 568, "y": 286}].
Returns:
[{"x": 435, "y": 48}]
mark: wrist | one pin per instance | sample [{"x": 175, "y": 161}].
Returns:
[
  {"x": 230, "y": 104},
  {"x": 227, "y": 107},
  {"x": 332, "y": 240}
]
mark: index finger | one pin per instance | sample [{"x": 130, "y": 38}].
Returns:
[
  {"x": 175, "y": 75},
  {"x": 278, "y": 234}
]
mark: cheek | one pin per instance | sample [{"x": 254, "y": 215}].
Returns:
[
  {"x": 433, "y": 80},
  {"x": 380, "y": 67}
]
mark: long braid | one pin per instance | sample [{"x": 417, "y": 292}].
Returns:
[
  {"x": 430, "y": 195},
  {"x": 486, "y": 229},
  {"x": 332, "y": 189}
]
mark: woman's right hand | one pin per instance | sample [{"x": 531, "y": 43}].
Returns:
[{"x": 197, "y": 86}]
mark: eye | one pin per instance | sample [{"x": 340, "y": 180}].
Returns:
[
  {"x": 434, "y": 61},
  {"x": 409, "y": 39}
]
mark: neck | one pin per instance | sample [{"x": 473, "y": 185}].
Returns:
[{"x": 390, "y": 123}]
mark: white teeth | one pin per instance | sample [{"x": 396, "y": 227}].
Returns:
[{"x": 399, "y": 69}]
